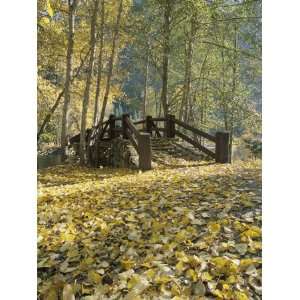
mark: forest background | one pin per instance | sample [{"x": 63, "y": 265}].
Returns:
[{"x": 199, "y": 60}]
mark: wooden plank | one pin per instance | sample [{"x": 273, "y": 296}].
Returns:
[
  {"x": 159, "y": 119},
  {"x": 149, "y": 124},
  {"x": 131, "y": 127},
  {"x": 132, "y": 140},
  {"x": 139, "y": 122},
  {"x": 170, "y": 126},
  {"x": 112, "y": 125},
  {"x": 195, "y": 144},
  {"x": 222, "y": 147},
  {"x": 145, "y": 155},
  {"x": 195, "y": 130},
  {"x": 101, "y": 134},
  {"x": 156, "y": 129}
]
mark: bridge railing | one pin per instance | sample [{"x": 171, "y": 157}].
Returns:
[
  {"x": 140, "y": 141},
  {"x": 220, "y": 139},
  {"x": 140, "y": 138}
]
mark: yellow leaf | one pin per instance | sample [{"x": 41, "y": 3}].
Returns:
[
  {"x": 150, "y": 273},
  {"x": 43, "y": 21},
  {"x": 49, "y": 9},
  {"x": 94, "y": 277},
  {"x": 181, "y": 256},
  {"x": 135, "y": 279},
  {"x": 206, "y": 276},
  {"x": 252, "y": 232},
  {"x": 192, "y": 275},
  {"x": 218, "y": 293},
  {"x": 194, "y": 261},
  {"x": 201, "y": 245},
  {"x": 231, "y": 279},
  {"x": 224, "y": 266},
  {"x": 180, "y": 266},
  {"x": 214, "y": 228},
  {"x": 240, "y": 296},
  {"x": 127, "y": 264},
  {"x": 162, "y": 279},
  {"x": 175, "y": 290},
  {"x": 181, "y": 236}
]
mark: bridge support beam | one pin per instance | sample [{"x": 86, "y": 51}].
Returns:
[
  {"x": 112, "y": 126},
  {"x": 222, "y": 147},
  {"x": 149, "y": 122},
  {"x": 144, "y": 149},
  {"x": 170, "y": 126},
  {"x": 124, "y": 126}
]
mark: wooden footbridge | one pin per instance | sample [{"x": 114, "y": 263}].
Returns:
[{"x": 141, "y": 133}]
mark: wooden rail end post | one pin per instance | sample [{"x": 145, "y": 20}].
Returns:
[
  {"x": 170, "y": 126},
  {"x": 112, "y": 126},
  {"x": 144, "y": 147},
  {"x": 222, "y": 147},
  {"x": 124, "y": 126},
  {"x": 149, "y": 122}
]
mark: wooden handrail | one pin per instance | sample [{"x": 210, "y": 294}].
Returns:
[
  {"x": 102, "y": 132},
  {"x": 139, "y": 122},
  {"x": 195, "y": 144},
  {"x": 131, "y": 127},
  {"x": 132, "y": 140},
  {"x": 143, "y": 144},
  {"x": 195, "y": 130},
  {"x": 159, "y": 119}
]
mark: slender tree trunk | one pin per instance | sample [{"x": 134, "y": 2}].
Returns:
[
  {"x": 146, "y": 86},
  {"x": 223, "y": 95},
  {"x": 156, "y": 103},
  {"x": 86, "y": 96},
  {"x": 183, "y": 113},
  {"x": 234, "y": 83},
  {"x": 66, "y": 107},
  {"x": 166, "y": 54},
  {"x": 111, "y": 61},
  {"x": 100, "y": 58}
]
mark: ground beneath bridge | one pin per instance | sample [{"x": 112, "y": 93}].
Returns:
[{"x": 176, "y": 232}]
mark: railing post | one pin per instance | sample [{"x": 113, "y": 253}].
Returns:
[
  {"x": 170, "y": 126},
  {"x": 124, "y": 126},
  {"x": 112, "y": 126},
  {"x": 149, "y": 124},
  {"x": 145, "y": 155},
  {"x": 222, "y": 147}
]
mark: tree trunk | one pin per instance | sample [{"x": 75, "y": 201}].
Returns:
[
  {"x": 234, "y": 83},
  {"x": 85, "y": 103},
  {"x": 183, "y": 113},
  {"x": 99, "y": 73},
  {"x": 65, "y": 113},
  {"x": 146, "y": 86},
  {"x": 111, "y": 61},
  {"x": 166, "y": 54}
]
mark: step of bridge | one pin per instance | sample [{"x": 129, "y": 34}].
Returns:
[{"x": 174, "y": 151}]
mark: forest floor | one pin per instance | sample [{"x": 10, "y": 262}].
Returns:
[{"x": 175, "y": 232}]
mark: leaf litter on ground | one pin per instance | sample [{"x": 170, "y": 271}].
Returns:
[{"x": 190, "y": 232}]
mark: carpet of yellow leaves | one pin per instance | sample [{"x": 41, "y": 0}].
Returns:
[{"x": 172, "y": 233}]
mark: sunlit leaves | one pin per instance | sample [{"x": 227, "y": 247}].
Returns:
[{"x": 173, "y": 233}]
